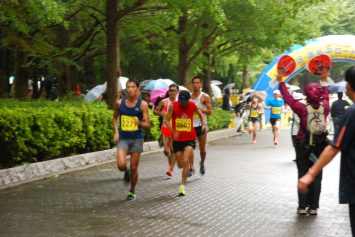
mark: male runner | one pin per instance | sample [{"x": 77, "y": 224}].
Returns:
[
  {"x": 203, "y": 102},
  {"x": 181, "y": 113},
  {"x": 161, "y": 110},
  {"x": 275, "y": 104},
  {"x": 133, "y": 115}
]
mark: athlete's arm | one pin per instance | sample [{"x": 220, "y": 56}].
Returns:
[
  {"x": 116, "y": 136},
  {"x": 145, "y": 123},
  {"x": 168, "y": 117},
  {"x": 158, "y": 109},
  {"x": 202, "y": 119},
  {"x": 208, "y": 104}
]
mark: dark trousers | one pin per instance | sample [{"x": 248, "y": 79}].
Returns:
[
  {"x": 311, "y": 198},
  {"x": 352, "y": 217}
]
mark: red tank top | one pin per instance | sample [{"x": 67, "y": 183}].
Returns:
[{"x": 182, "y": 121}]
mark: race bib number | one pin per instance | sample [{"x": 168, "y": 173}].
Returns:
[
  {"x": 183, "y": 124},
  {"x": 254, "y": 114},
  {"x": 276, "y": 110},
  {"x": 128, "y": 124}
]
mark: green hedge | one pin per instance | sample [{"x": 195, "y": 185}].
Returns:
[{"x": 44, "y": 130}]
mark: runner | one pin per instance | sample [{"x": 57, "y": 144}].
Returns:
[
  {"x": 161, "y": 110},
  {"x": 203, "y": 102},
  {"x": 275, "y": 104},
  {"x": 181, "y": 114},
  {"x": 255, "y": 109},
  {"x": 133, "y": 116}
]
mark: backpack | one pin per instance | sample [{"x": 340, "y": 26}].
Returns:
[{"x": 316, "y": 122}]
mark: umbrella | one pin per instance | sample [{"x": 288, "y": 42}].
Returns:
[
  {"x": 155, "y": 94},
  {"x": 216, "y": 91},
  {"x": 95, "y": 92},
  {"x": 158, "y": 84},
  {"x": 216, "y": 82},
  {"x": 229, "y": 86},
  {"x": 143, "y": 84},
  {"x": 261, "y": 94},
  {"x": 337, "y": 87}
]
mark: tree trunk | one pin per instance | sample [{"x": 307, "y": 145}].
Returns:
[
  {"x": 245, "y": 82},
  {"x": 21, "y": 76},
  {"x": 4, "y": 72},
  {"x": 112, "y": 52},
  {"x": 184, "y": 50},
  {"x": 65, "y": 77},
  {"x": 207, "y": 81}
]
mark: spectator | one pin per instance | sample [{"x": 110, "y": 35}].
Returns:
[
  {"x": 337, "y": 109},
  {"x": 226, "y": 103}
]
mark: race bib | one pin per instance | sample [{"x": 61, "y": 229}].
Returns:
[
  {"x": 128, "y": 124},
  {"x": 196, "y": 115},
  {"x": 183, "y": 124},
  {"x": 254, "y": 114},
  {"x": 276, "y": 110}
]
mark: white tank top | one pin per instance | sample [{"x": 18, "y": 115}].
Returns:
[{"x": 197, "y": 101}]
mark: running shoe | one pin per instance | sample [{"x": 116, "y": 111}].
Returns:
[
  {"x": 302, "y": 211},
  {"x": 131, "y": 196},
  {"x": 169, "y": 172},
  {"x": 312, "y": 211},
  {"x": 127, "y": 175},
  {"x": 182, "y": 191},
  {"x": 191, "y": 172},
  {"x": 202, "y": 170}
]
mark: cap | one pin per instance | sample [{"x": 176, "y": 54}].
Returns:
[
  {"x": 184, "y": 97},
  {"x": 277, "y": 92}
]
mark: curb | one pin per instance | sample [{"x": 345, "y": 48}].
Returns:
[{"x": 52, "y": 168}]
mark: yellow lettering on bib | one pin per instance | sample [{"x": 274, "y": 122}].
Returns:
[
  {"x": 276, "y": 110},
  {"x": 254, "y": 114},
  {"x": 183, "y": 124},
  {"x": 128, "y": 124}
]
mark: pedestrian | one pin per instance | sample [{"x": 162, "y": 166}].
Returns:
[
  {"x": 344, "y": 141},
  {"x": 337, "y": 109},
  {"x": 161, "y": 110},
  {"x": 146, "y": 98},
  {"x": 275, "y": 104},
  {"x": 255, "y": 109},
  {"x": 226, "y": 105},
  {"x": 311, "y": 137},
  {"x": 132, "y": 114},
  {"x": 203, "y": 102},
  {"x": 181, "y": 114}
]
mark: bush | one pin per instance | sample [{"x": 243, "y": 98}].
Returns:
[{"x": 44, "y": 130}]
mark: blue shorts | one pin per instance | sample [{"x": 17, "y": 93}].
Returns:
[{"x": 131, "y": 145}]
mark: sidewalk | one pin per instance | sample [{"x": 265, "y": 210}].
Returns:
[
  {"x": 248, "y": 190},
  {"x": 46, "y": 169}
]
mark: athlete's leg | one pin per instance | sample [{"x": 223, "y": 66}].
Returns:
[
  {"x": 167, "y": 149},
  {"x": 172, "y": 159},
  {"x": 202, "y": 147},
  {"x": 121, "y": 157},
  {"x": 255, "y": 126},
  {"x": 250, "y": 127},
  {"x": 186, "y": 156},
  {"x": 134, "y": 169},
  {"x": 276, "y": 132}
]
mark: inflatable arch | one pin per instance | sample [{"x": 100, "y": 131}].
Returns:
[{"x": 341, "y": 48}]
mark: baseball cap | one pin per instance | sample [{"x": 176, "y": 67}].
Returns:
[
  {"x": 277, "y": 92},
  {"x": 184, "y": 97}
]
